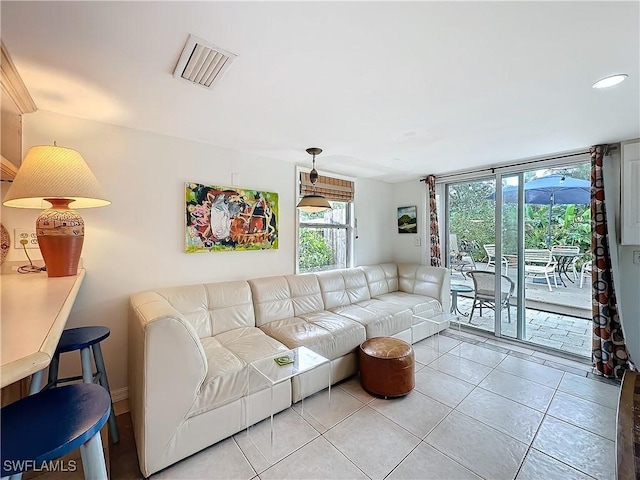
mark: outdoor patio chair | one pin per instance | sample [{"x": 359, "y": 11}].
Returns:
[
  {"x": 484, "y": 284},
  {"x": 568, "y": 254},
  {"x": 585, "y": 271},
  {"x": 490, "y": 249},
  {"x": 539, "y": 263},
  {"x": 459, "y": 261}
]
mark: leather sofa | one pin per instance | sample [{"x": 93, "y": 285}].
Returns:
[{"x": 190, "y": 346}]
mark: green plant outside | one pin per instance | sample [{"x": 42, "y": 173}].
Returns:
[
  {"x": 315, "y": 252},
  {"x": 471, "y": 218}
]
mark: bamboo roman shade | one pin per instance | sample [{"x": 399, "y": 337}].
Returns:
[{"x": 333, "y": 189}]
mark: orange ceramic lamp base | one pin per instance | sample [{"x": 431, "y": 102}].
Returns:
[{"x": 60, "y": 232}]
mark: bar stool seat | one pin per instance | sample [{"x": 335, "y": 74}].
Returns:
[
  {"x": 48, "y": 425},
  {"x": 85, "y": 339},
  {"x": 81, "y": 337}
]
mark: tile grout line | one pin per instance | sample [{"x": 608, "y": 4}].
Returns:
[
  {"x": 545, "y": 414},
  {"x": 422, "y": 440},
  {"x": 533, "y": 439},
  {"x": 453, "y": 409}
]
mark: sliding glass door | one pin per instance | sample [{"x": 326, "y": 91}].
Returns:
[
  {"x": 511, "y": 234},
  {"x": 470, "y": 207},
  {"x": 517, "y": 242}
]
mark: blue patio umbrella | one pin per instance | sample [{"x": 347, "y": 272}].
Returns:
[{"x": 551, "y": 190}]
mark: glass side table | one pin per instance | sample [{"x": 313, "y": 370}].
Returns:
[
  {"x": 272, "y": 373},
  {"x": 437, "y": 318}
]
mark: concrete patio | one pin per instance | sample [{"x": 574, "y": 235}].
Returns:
[{"x": 560, "y": 319}]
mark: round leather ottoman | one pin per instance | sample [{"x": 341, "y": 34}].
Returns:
[{"x": 387, "y": 367}]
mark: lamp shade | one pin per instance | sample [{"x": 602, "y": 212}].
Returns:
[
  {"x": 54, "y": 172},
  {"x": 55, "y": 178},
  {"x": 313, "y": 204}
]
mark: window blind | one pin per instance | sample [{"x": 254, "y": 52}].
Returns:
[{"x": 333, "y": 189}]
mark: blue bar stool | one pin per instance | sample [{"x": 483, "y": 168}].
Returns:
[
  {"x": 83, "y": 339},
  {"x": 43, "y": 427}
]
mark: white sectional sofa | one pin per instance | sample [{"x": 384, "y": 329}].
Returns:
[{"x": 190, "y": 346}]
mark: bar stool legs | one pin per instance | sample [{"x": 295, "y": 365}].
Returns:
[
  {"x": 36, "y": 382},
  {"x": 87, "y": 377},
  {"x": 93, "y": 462},
  {"x": 85, "y": 339}
]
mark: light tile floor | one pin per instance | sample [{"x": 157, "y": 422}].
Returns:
[{"x": 481, "y": 408}]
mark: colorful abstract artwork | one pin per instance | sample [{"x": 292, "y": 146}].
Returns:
[{"x": 230, "y": 218}]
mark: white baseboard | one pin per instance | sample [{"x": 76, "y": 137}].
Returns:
[
  {"x": 119, "y": 394},
  {"x": 120, "y": 399}
]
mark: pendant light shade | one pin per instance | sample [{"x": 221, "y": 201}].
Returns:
[{"x": 313, "y": 203}]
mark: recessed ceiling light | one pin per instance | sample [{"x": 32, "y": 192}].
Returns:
[{"x": 610, "y": 81}]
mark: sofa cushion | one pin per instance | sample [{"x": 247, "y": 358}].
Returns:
[
  {"x": 228, "y": 357},
  {"x": 378, "y": 320},
  {"x": 381, "y": 278},
  {"x": 417, "y": 303},
  {"x": 325, "y": 333},
  {"x": 400, "y": 314},
  {"x": 420, "y": 280},
  {"x": 343, "y": 287},
  {"x": 305, "y": 294},
  {"x": 214, "y": 307},
  {"x": 271, "y": 299}
]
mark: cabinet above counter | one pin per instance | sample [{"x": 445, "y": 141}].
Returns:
[
  {"x": 15, "y": 101},
  {"x": 9, "y": 169},
  {"x": 630, "y": 195}
]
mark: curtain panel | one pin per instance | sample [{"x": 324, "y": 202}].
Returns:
[
  {"x": 609, "y": 352},
  {"x": 434, "y": 233}
]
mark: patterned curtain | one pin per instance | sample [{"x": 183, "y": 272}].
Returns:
[
  {"x": 434, "y": 237},
  {"x": 609, "y": 352}
]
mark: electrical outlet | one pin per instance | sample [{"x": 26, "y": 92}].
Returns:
[
  {"x": 636, "y": 257},
  {"x": 25, "y": 234}
]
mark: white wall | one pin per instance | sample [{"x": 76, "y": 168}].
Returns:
[
  {"x": 376, "y": 230},
  {"x": 404, "y": 248},
  {"x": 137, "y": 242}
]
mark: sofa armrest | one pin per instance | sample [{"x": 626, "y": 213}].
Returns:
[{"x": 167, "y": 367}]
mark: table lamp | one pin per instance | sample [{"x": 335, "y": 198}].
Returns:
[{"x": 60, "y": 177}]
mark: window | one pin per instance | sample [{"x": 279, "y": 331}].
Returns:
[{"x": 325, "y": 238}]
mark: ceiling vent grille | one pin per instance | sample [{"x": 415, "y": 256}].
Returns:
[{"x": 202, "y": 63}]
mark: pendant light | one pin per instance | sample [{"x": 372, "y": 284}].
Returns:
[{"x": 314, "y": 203}]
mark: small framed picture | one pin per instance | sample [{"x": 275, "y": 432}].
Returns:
[{"x": 407, "y": 220}]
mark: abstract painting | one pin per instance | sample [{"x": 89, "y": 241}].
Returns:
[
  {"x": 407, "y": 220},
  {"x": 230, "y": 218}
]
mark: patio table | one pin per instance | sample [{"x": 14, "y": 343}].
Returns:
[{"x": 455, "y": 289}]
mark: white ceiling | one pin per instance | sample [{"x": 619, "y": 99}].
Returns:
[{"x": 389, "y": 90}]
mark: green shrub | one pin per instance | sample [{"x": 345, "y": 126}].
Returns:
[{"x": 315, "y": 252}]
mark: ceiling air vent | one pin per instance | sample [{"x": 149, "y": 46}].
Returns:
[{"x": 202, "y": 63}]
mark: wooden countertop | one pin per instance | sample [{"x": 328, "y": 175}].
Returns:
[{"x": 34, "y": 311}]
